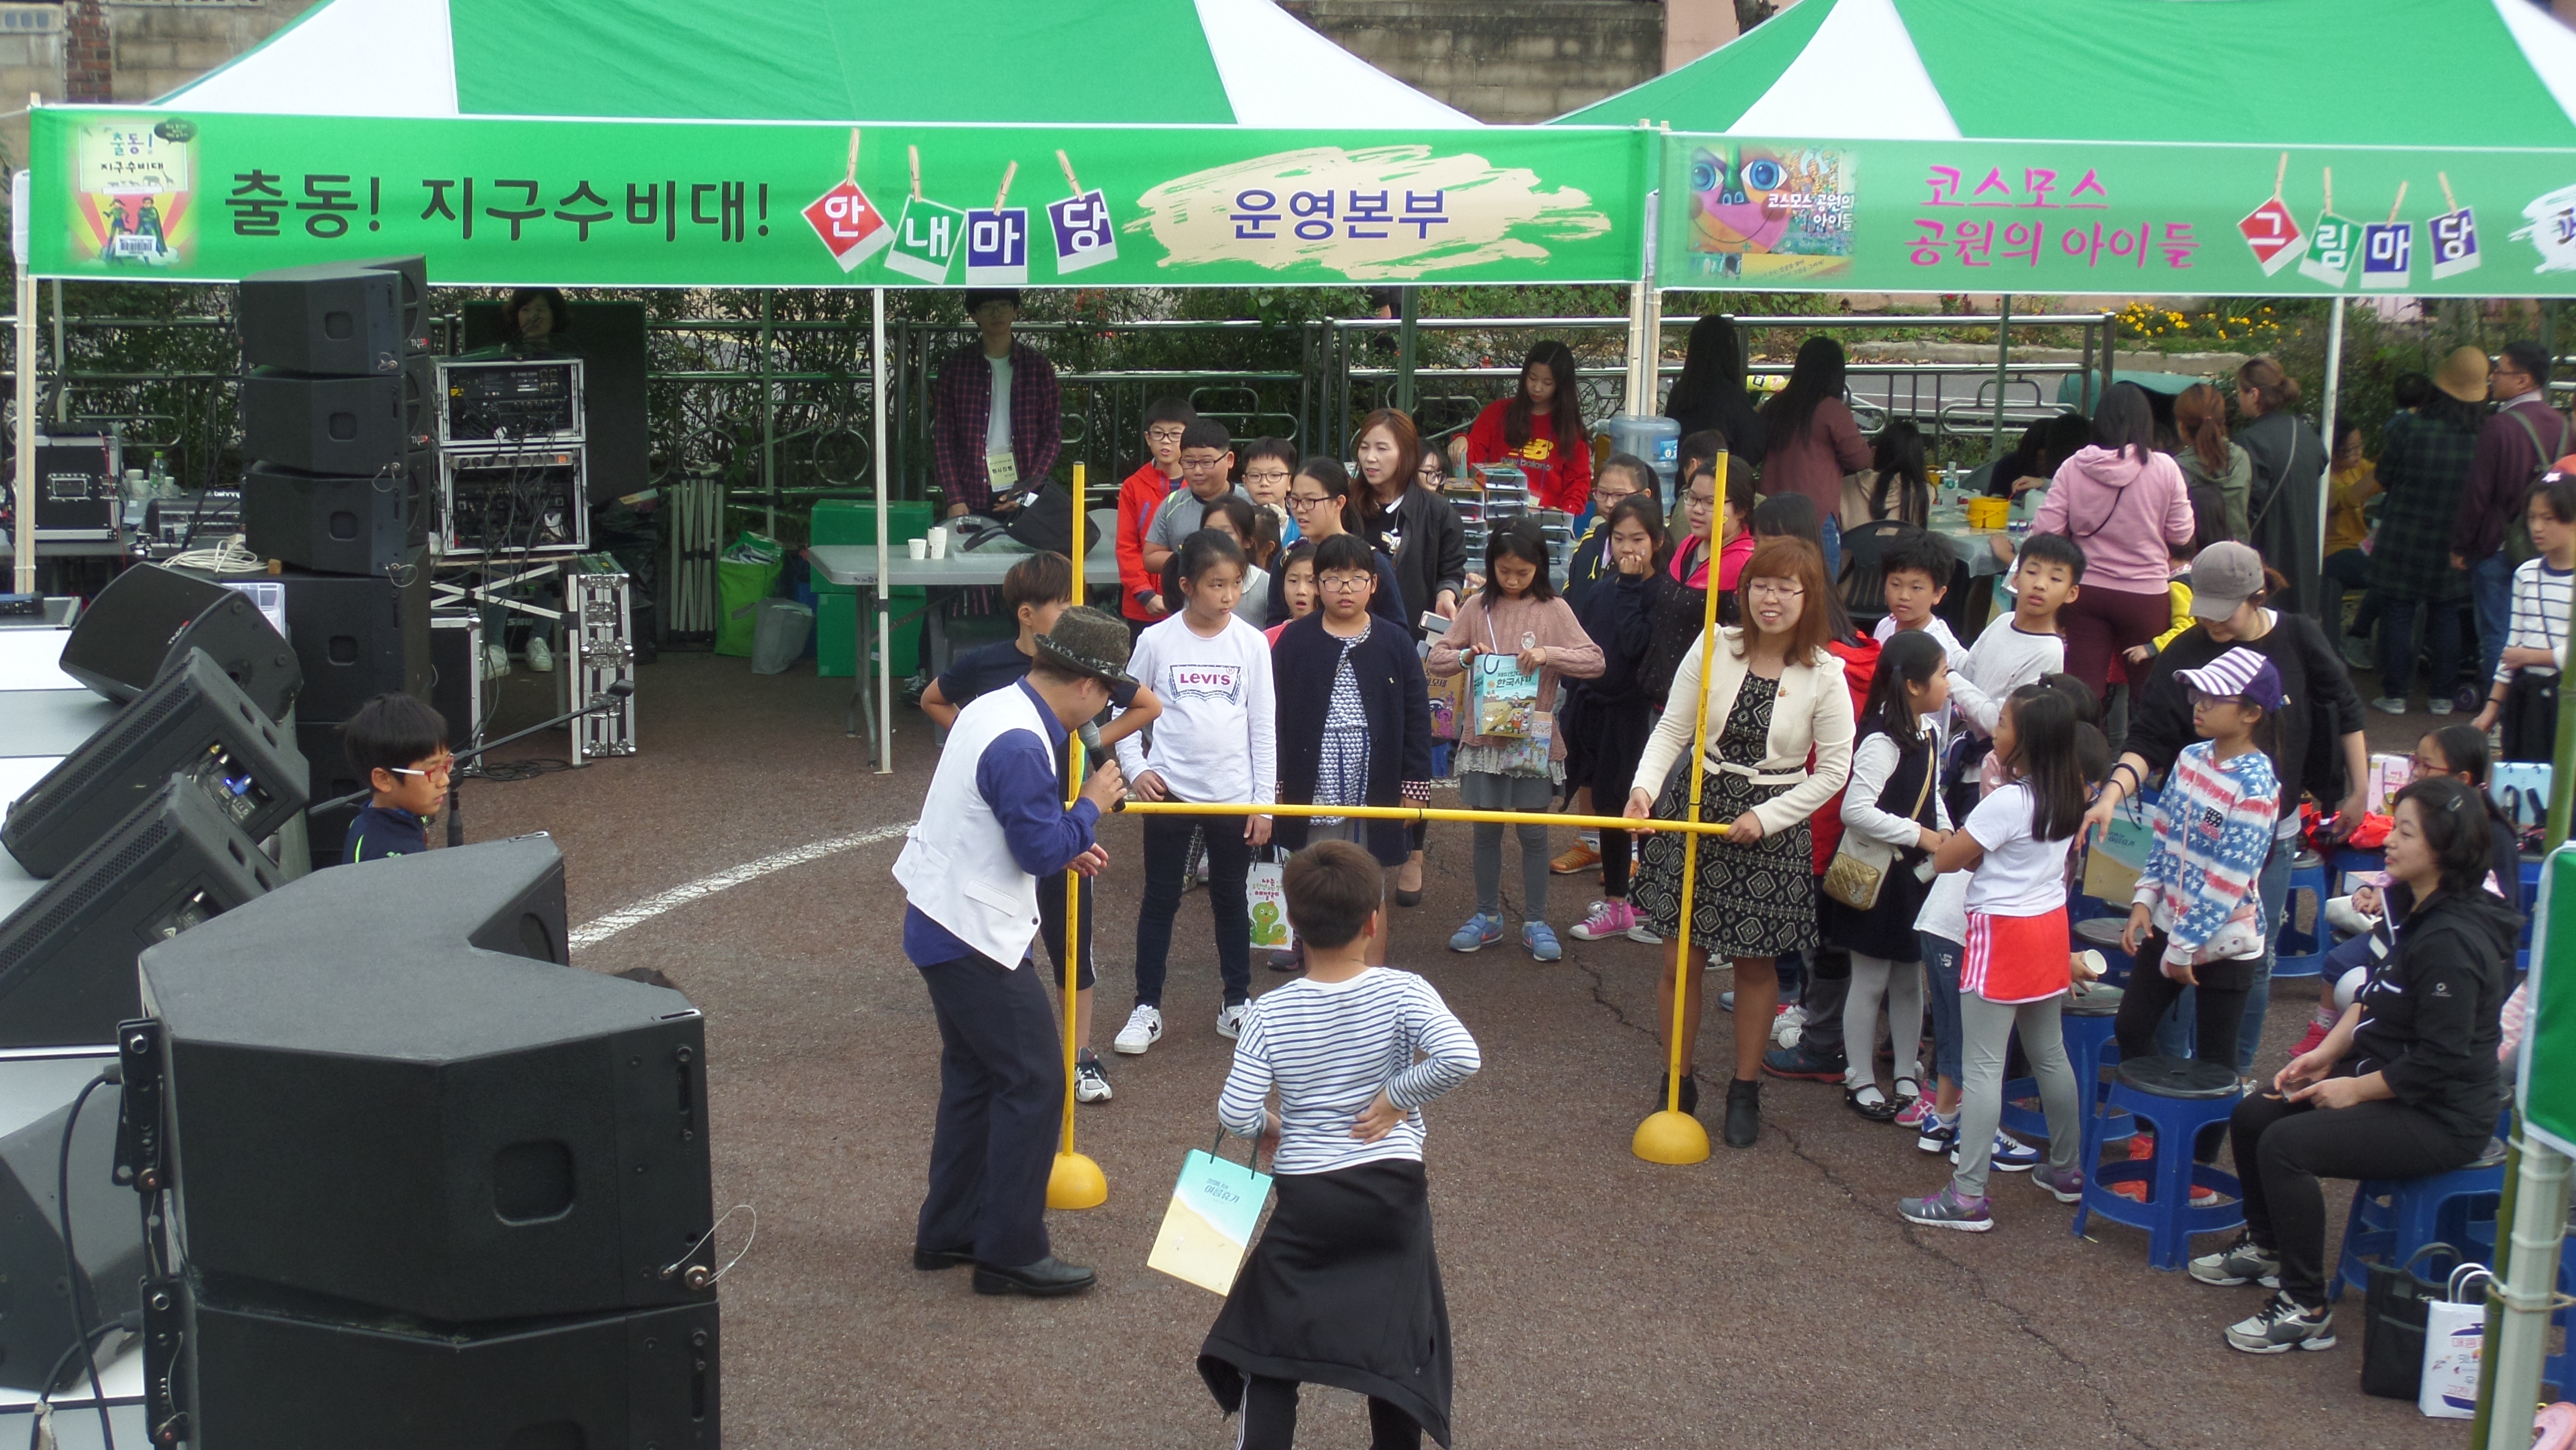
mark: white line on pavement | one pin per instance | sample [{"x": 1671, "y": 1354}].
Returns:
[{"x": 592, "y": 933}]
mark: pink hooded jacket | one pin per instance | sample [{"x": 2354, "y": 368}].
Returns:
[{"x": 2123, "y": 513}]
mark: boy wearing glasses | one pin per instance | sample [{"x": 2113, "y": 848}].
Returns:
[
  {"x": 400, "y": 746},
  {"x": 1140, "y": 588}
]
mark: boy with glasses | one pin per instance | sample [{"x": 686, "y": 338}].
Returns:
[
  {"x": 1139, "y": 496},
  {"x": 399, "y": 745},
  {"x": 1207, "y": 470},
  {"x": 1268, "y": 465}
]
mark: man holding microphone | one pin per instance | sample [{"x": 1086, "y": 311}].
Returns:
[{"x": 991, "y": 825}]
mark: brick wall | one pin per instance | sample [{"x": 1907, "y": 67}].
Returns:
[
  {"x": 160, "y": 48},
  {"x": 1500, "y": 60}
]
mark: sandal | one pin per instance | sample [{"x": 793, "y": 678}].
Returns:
[
  {"x": 1907, "y": 1090},
  {"x": 1870, "y": 1103}
]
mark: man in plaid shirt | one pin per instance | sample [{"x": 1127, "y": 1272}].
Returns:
[{"x": 980, "y": 454}]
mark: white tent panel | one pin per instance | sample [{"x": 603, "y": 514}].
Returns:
[
  {"x": 2548, "y": 45},
  {"x": 316, "y": 51},
  {"x": 1859, "y": 77}
]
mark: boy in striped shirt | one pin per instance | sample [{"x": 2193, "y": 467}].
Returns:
[{"x": 1343, "y": 1288}]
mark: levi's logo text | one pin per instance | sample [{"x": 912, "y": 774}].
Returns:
[{"x": 1204, "y": 682}]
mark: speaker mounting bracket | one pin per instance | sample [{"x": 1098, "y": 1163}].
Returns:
[
  {"x": 164, "y": 1325},
  {"x": 138, "y": 1126}
]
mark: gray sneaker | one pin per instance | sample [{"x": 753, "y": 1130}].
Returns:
[
  {"x": 1946, "y": 1209},
  {"x": 2066, "y": 1185},
  {"x": 2283, "y": 1325},
  {"x": 2242, "y": 1262}
]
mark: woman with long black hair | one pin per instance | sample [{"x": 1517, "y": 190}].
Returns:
[
  {"x": 1710, "y": 392},
  {"x": 1814, "y": 440},
  {"x": 2125, "y": 505},
  {"x": 2405, "y": 1086},
  {"x": 2289, "y": 458},
  {"x": 1539, "y": 429}
]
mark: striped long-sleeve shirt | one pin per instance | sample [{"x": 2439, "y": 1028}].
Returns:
[
  {"x": 2213, "y": 829},
  {"x": 2540, "y": 596},
  {"x": 1329, "y": 1047}
]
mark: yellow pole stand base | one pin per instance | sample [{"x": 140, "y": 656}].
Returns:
[
  {"x": 1666, "y": 1137},
  {"x": 1077, "y": 1182}
]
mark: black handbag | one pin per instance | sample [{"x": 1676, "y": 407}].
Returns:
[
  {"x": 1045, "y": 524},
  {"x": 2392, "y": 1327}
]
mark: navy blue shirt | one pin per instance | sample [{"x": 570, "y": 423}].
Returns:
[
  {"x": 1017, "y": 778},
  {"x": 381, "y": 831},
  {"x": 981, "y": 671}
]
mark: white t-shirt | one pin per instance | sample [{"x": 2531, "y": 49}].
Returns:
[
  {"x": 1217, "y": 739},
  {"x": 997, "y": 425},
  {"x": 2004, "y": 658},
  {"x": 1935, "y": 626},
  {"x": 2019, "y": 876}
]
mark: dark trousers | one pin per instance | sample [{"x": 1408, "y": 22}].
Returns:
[
  {"x": 2218, "y": 1011},
  {"x": 2283, "y": 1148},
  {"x": 2397, "y": 646},
  {"x": 2100, "y": 622},
  {"x": 1270, "y": 1415},
  {"x": 1001, "y": 1101},
  {"x": 1167, "y": 857},
  {"x": 2348, "y": 569},
  {"x": 1616, "y": 849},
  {"x": 1051, "y": 929}
]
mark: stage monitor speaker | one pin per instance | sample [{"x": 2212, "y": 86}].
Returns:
[
  {"x": 358, "y": 636},
  {"x": 37, "y": 1091},
  {"x": 337, "y": 523},
  {"x": 456, "y": 673},
  {"x": 67, "y": 953},
  {"x": 340, "y": 319},
  {"x": 263, "y": 1375},
  {"x": 194, "y": 722},
  {"x": 361, "y": 426},
  {"x": 149, "y": 617},
  {"x": 376, "y": 1096}
]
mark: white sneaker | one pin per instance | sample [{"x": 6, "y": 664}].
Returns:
[
  {"x": 1789, "y": 1026},
  {"x": 1229, "y": 1023},
  {"x": 1090, "y": 1084},
  {"x": 541, "y": 656},
  {"x": 1144, "y": 1027},
  {"x": 496, "y": 661}
]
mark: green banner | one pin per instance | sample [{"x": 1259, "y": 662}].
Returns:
[
  {"x": 2548, "y": 1084},
  {"x": 2064, "y": 217},
  {"x": 142, "y": 194}
]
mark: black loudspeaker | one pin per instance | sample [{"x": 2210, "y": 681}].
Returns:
[
  {"x": 361, "y": 426},
  {"x": 194, "y": 722},
  {"x": 375, "y": 1096},
  {"x": 338, "y": 523},
  {"x": 348, "y": 319},
  {"x": 67, "y": 953},
  {"x": 149, "y": 617},
  {"x": 270, "y": 1377},
  {"x": 331, "y": 776},
  {"x": 37, "y": 1092},
  {"x": 456, "y": 673},
  {"x": 358, "y": 636}
]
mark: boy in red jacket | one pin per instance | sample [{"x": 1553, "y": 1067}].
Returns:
[{"x": 1140, "y": 599}]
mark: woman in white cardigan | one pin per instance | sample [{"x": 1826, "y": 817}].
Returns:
[{"x": 1775, "y": 697}]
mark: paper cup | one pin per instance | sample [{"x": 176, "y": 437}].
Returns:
[
  {"x": 938, "y": 543},
  {"x": 917, "y": 548}
]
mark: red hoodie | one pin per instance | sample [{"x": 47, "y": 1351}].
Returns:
[
  {"x": 1860, "y": 665},
  {"x": 1138, "y": 497},
  {"x": 1560, "y": 473}
]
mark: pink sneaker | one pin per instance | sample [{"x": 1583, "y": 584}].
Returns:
[
  {"x": 1911, "y": 1115},
  {"x": 1608, "y": 919}
]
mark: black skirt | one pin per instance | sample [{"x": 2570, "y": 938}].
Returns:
[{"x": 1342, "y": 1290}]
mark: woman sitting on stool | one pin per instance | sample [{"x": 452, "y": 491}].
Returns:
[{"x": 2404, "y": 1087}]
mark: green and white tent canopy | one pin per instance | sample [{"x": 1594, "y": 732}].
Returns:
[
  {"x": 2478, "y": 73},
  {"x": 1199, "y": 62}
]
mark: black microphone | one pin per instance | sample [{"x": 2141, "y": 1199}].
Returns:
[{"x": 1089, "y": 735}]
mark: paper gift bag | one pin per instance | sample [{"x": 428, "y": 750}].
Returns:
[
  {"x": 1269, "y": 906},
  {"x": 2111, "y": 865},
  {"x": 2389, "y": 774},
  {"x": 1448, "y": 706},
  {"x": 2521, "y": 790},
  {"x": 1505, "y": 700},
  {"x": 1208, "y": 1226},
  {"x": 2455, "y": 1330}
]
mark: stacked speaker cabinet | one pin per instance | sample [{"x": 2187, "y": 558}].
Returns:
[
  {"x": 339, "y": 417},
  {"x": 446, "y": 1190}
]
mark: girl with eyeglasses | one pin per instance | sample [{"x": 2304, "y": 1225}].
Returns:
[{"x": 1323, "y": 502}]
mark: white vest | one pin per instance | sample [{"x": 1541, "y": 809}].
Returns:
[{"x": 956, "y": 864}]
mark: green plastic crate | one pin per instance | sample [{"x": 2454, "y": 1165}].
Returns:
[{"x": 836, "y": 606}]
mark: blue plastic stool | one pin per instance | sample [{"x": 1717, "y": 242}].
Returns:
[
  {"x": 2177, "y": 1097},
  {"x": 2392, "y": 1218},
  {"x": 2297, "y": 953},
  {"x": 2102, "y": 934},
  {"x": 2086, "y": 1018}
]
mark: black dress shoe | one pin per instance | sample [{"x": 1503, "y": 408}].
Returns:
[
  {"x": 1044, "y": 1279},
  {"x": 1690, "y": 1092},
  {"x": 931, "y": 1260},
  {"x": 1743, "y": 1112}
]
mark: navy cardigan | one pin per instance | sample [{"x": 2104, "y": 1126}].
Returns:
[{"x": 1396, "y": 702}]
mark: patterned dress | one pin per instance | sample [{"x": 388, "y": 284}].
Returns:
[
  {"x": 1746, "y": 901},
  {"x": 1342, "y": 777}
]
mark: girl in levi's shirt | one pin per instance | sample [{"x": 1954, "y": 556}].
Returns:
[{"x": 2017, "y": 970}]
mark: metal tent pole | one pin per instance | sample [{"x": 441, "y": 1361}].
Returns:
[
  {"x": 2003, "y": 364},
  {"x": 1407, "y": 312},
  {"x": 2334, "y": 391},
  {"x": 885, "y": 610},
  {"x": 25, "y": 542},
  {"x": 769, "y": 424}
]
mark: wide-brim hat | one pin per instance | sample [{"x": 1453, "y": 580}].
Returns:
[
  {"x": 1087, "y": 641},
  {"x": 2463, "y": 374}
]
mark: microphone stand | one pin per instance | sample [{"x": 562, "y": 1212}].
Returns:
[{"x": 615, "y": 697}]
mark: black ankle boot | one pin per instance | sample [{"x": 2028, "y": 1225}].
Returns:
[
  {"x": 1690, "y": 1092},
  {"x": 1743, "y": 1113}
]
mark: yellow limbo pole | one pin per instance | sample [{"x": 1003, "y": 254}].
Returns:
[
  {"x": 1075, "y": 1181},
  {"x": 1418, "y": 813},
  {"x": 1673, "y": 1136}
]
